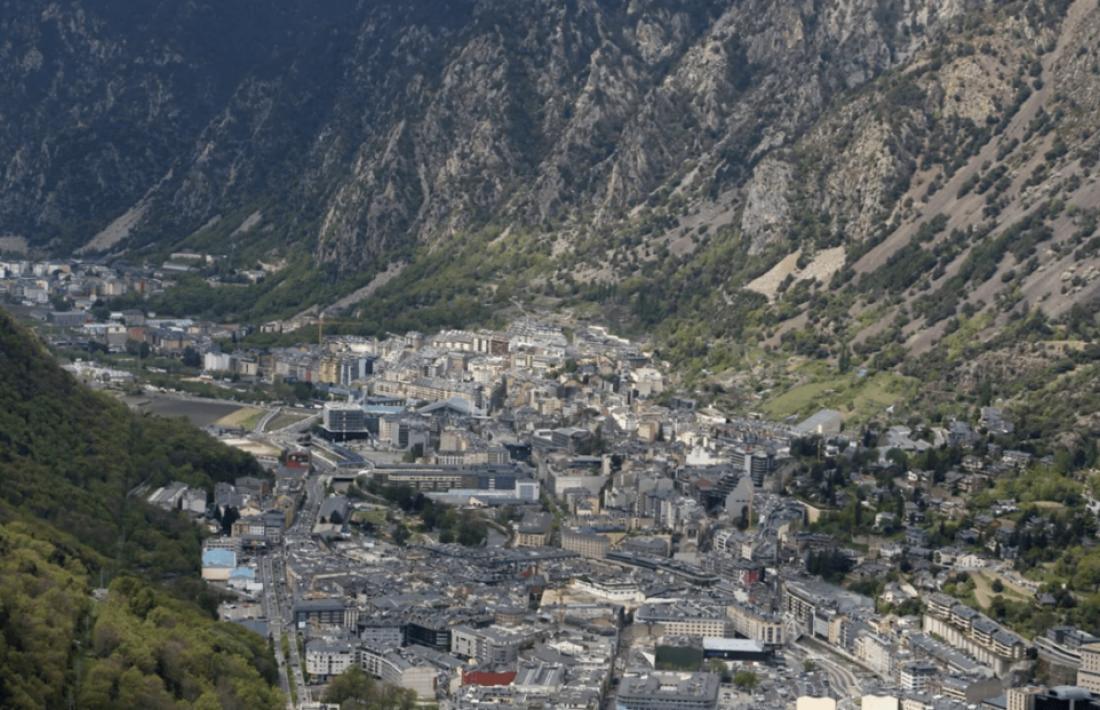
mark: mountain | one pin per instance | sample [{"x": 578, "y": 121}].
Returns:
[
  {"x": 68, "y": 458},
  {"x": 851, "y": 180}
]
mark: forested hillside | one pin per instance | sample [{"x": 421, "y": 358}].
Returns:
[{"x": 68, "y": 460}]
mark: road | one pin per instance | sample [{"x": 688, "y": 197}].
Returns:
[
  {"x": 278, "y": 602},
  {"x": 261, "y": 425},
  {"x": 278, "y": 607},
  {"x": 295, "y": 660},
  {"x": 844, "y": 682},
  {"x": 274, "y": 615}
]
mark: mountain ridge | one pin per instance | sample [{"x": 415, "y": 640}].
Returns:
[{"x": 644, "y": 162}]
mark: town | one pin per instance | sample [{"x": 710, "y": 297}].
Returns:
[{"x": 542, "y": 516}]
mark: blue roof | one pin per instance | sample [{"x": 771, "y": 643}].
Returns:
[
  {"x": 243, "y": 573},
  {"x": 219, "y": 558}
]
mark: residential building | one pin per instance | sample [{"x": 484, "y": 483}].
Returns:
[
  {"x": 1088, "y": 675},
  {"x": 326, "y": 658}
]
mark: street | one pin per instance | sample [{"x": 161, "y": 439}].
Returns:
[{"x": 278, "y": 604}]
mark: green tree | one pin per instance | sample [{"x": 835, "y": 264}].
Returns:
[
  {"x": 192, "y": 358},
  {"x": 353, "y": 684},
  {"x": 745, "y": 680},
  {"x": 355, "y": 690},
  {"x": 1087, "y": 574}
]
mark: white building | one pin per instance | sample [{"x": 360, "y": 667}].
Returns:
[
  {"x": 326, "y": 658},
  {"x": 217, "y": 362}
]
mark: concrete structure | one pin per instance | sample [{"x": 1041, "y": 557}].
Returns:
[
  {"x": 683, "y": 618},
  {"x": 492, "y": 646},
  {"x": 324, "y": 613},
  {"x": 623, "y": 591},
  {"x": 585, "y": 542},
  {"x": 342, "y": 419},
  {"x": 327, "y": 658},
  {"x": 401, "y": 668},
  {"x": 879, "y": 702},
  {"x": 218, "y": 564},
  {"x": 1088, "y": 675},
  {"x": 1022, "y": 698},
  {"x": 917, "y": 676},
  {"x": 754, "y": 623},
  {"x": 810, "y": 703},
  {"x": 668, "y": 691},
  {"x": 974, "y": 633}
]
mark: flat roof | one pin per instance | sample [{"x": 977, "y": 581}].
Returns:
[{"x": 717, "y": 643}]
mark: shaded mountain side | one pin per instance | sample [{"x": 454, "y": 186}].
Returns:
[
  {"x": 365, "y": 130},
  {"x": 68, "y": 459}
]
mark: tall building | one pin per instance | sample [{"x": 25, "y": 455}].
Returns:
[
  {"x": 1088, "y": 675},
  {"x": 342, "y": 419}
]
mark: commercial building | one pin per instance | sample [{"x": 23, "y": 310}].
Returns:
[
  {"x": 585, "y": 542},
  {"x": 623, "y": 591},
  {"x": 218, "y": 564},
  {"x": 400, "y": 667},
  {"x": 1066, "y": 697},
  {"x": 668, "y": 691},
  {"x": 325, "y": 613},
  {"x": 342, "y": 421},
  {"x": 490, "y": 646},
  {"x": 683, "y": 618},
  {"x": 729, "y": 649},
  {"x": 755, "y": 623}
]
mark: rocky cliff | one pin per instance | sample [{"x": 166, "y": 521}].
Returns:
[{"x": 663, "y": 159}]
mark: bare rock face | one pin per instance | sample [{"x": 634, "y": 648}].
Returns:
[
  {"x": 767, "y": 209},
  {"x": 387, "y": 125},
  {"x": 368, "y": 131}
]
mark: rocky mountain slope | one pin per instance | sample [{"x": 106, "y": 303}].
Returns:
[
  {"x": 809, "y": 173},
  {"x": 386, "y": 125}
]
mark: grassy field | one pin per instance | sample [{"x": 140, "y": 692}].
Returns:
[
  {"x": 983, "y": 589},
  {"x": 857, "y": 398},
  {"x": 243, "y": 418},
  {"x": 284, "y": 419},
  {"x": 375, "y": 516}
]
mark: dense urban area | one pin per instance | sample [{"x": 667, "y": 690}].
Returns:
[{"x": 541, "y": 516}]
